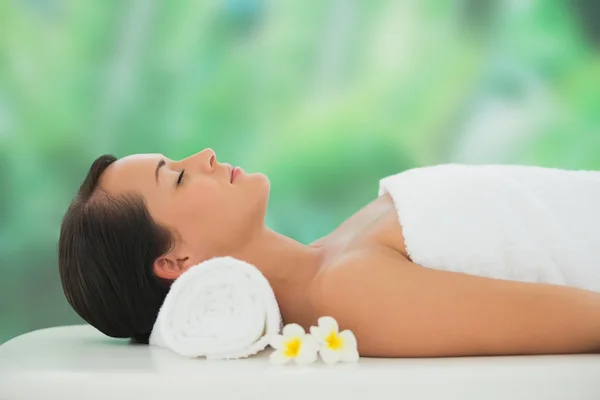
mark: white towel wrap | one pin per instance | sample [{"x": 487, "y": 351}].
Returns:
[{"x": 520, "y": 223}]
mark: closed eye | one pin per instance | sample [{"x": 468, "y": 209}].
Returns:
[{"x": 180, "y": 177}]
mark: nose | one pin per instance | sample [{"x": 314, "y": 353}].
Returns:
[{"x": 205, "y": 159}]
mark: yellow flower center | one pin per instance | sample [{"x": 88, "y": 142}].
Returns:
[
  {"x": 334, "y": 342},
  {"x": 292, "y": 347}
]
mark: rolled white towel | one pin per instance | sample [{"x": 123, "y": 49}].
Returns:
[{"x": 222, "y": 308}]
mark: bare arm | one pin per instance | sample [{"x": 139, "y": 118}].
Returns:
[{"x": 399, "y": 309}]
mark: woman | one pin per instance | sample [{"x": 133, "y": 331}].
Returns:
[{"x": 139, "y": 222}]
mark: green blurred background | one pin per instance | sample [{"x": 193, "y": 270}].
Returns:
[{"x": 325, "y": 97}]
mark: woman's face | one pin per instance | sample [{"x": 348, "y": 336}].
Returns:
[{"x": 209, "y": 214}]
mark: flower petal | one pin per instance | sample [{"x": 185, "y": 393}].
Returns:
[
  {"x": 276, "y": 342},
  {"x": 317, "y": 334},
  {"x": 349, "y": 355},
  {"x": 329, "y": 356},
  {"x": 349, "y": 339},
  {"x": 310, "y": 342},
  {"x": 293, "y": 330},
  {"x": 307, "y": 358},
  {"x": 328, "y": 324},
  {"x": 277, "y": 357},
  {"x": 308, "y": 353}
]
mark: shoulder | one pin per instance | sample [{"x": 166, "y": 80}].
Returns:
[
  {"x": 356, "y": 280},
  {"x": 358, "y": 291}
]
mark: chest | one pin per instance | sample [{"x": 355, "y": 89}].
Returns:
[{"x": 374, "y": 225}]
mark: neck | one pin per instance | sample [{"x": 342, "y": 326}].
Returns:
[{"x": 289, "y": 266}]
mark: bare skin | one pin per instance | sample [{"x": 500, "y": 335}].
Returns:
[{"x": 360, "y": 273}]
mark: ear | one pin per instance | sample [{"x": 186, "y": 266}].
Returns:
[{"x": 170, "y": 267}]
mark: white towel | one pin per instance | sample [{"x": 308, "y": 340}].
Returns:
[
  {"x": 222, "y": 308},
  {"x": 520, "y": 223}
]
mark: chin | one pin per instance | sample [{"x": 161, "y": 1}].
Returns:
[
  {"x": 261, "y": 179},
  {"x": 263, "y": 189}
]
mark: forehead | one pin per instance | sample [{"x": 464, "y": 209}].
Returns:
[{"x": 134, "y": 172}]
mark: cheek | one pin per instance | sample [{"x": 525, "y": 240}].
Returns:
[
  {"x": 195, "y": 204},
  {"x": 201, "y": 201}
]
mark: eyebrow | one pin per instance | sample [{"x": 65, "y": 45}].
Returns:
[{"x": 161, "y": 163}]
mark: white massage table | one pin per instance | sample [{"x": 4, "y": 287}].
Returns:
[{"x": 78, "y": 362}]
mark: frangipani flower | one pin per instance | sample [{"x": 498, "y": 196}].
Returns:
[
  {"x": 334, "y": 345},
  {"x": 294, "y": 343}
]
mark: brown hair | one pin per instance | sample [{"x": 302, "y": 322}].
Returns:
[{"x": 107, "y": 248}]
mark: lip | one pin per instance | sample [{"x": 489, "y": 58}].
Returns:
[{"x": 234, "y": 173}]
